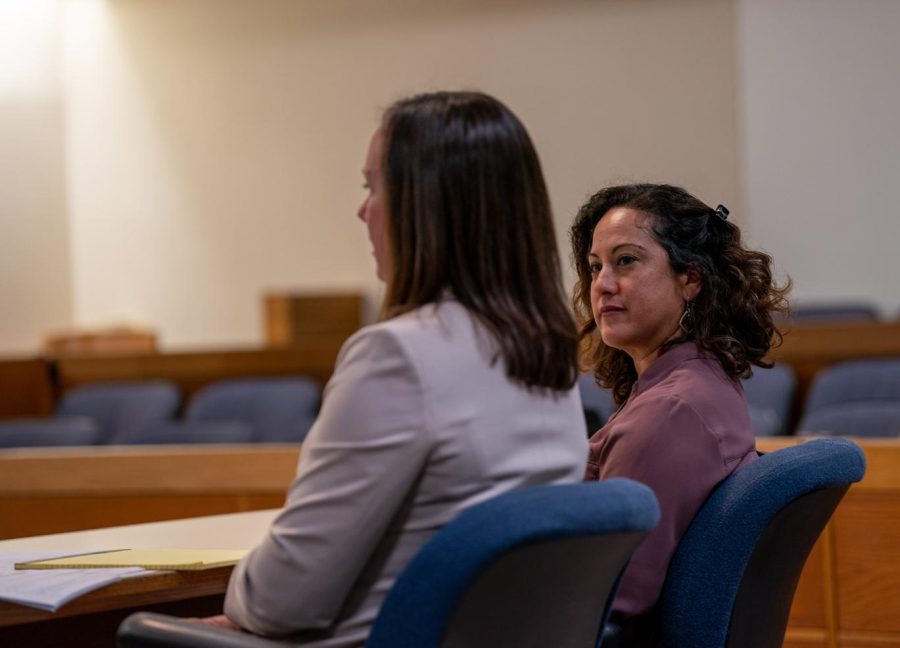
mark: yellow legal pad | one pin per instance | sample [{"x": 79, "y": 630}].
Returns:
[{"x": 176, "y": 559}]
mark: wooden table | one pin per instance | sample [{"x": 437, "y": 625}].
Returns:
[{"x": 92, "y": 619}]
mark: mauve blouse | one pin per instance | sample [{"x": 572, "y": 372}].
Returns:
[{"x": 684, "y": 428}]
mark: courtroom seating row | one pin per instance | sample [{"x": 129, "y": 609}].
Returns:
[
  {"x": 857, "y": 398},
  {"x": 267, "y": 410}
]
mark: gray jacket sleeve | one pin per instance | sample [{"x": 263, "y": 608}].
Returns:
[{"x": 358, "y": 465}]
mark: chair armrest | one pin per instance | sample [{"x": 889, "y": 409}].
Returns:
[{"x": 151, "y": 630}]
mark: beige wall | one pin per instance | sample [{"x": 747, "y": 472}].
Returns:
[
  {"x": 164, "y": 163},
  {"x": 35, "y": 290},
  {"x": 214, "y": 147},
  {"x": 819, "y": 91}
]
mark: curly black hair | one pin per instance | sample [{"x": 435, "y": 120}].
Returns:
[{"x": 733, "y": 316}]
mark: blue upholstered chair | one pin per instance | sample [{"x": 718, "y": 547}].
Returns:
[
  {"x": 179, "y": 431},
  {"x": 770, "y": 393},
  {"x": 274, "y": 410},
  {"x": 532, "y": 568},
  {"x": 69, "y": 431},
  {"x": 835, "y": 311},
  {"x": 122, "y": 411},
  {"x": 858, "y": 398},
  {"x": 597, "y": 403},
  {"x": 732, "y": 579}
]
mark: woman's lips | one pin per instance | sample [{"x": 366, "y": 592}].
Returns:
[{"x": 611, "y": 310}]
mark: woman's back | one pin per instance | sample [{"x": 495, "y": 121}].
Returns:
[{"x": 419, "y": 421}]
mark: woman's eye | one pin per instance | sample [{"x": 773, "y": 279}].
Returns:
[
  {"x": 626, "y": 259},
  {"x": 595, "y": 268}
]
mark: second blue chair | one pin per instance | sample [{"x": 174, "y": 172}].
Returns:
[
  {"x": 271, "y": 410},
  {"x": 123, "y": 412},
  {"x": 733, "y": 576}
]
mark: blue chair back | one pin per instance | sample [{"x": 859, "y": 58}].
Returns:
[
  {"x": 733, "y": 576},
  {"x": 532, "y": 568},
  {"x": 857, "y": 398},
  {"x": 122, "y": 411},
  {"x": 770, "y": 393},
  {"x": 68, "y": 431},
  {"x": 835, "y": 311},
  {"x": 275, "y": 410}
]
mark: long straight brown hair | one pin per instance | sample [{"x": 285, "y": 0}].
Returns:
[{"x": 468, "y": 213}]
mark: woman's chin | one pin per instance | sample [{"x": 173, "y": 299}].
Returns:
[{"x": 611, "y": 339}]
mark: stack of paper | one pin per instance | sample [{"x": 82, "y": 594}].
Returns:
[
  {"x": 50, "y": 580},
  {"x": 52, "y": 589},
  {"x": 190, "y": 559}
]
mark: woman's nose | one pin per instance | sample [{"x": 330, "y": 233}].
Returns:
[
  {"x": 361, "y": 212},
  {"x": 604, "y": 283}
]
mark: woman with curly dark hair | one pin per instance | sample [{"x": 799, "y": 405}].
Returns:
[{"x": 673, "y": 311}]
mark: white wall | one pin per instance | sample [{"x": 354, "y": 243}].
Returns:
[
  {"x": 35, "y": 290},
  {"x": 214, "y": 147},
  {"x": 819, "y": 96},
  {"x": 196, "y": 153}
]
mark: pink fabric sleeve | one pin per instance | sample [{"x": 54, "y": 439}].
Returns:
[{"x": 664, "y": 444}]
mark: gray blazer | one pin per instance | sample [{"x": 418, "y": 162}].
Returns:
[{"x": 417, "y": 423}]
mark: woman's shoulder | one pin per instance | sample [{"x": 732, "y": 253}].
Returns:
[
  {"x": 437, "y": 328},
  {"x": 446, "y": 321}
]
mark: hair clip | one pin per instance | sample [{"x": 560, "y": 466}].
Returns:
[{"x": 722, "y": 212}]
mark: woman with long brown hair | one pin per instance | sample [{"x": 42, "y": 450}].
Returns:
[{"x": 463, "y": 390}]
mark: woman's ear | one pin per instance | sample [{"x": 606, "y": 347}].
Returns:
[{"x": 693, "y": 283}]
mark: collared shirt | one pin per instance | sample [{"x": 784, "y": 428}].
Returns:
[{"x": 684, "y": 428}]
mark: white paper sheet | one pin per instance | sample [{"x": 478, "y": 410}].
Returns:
[{"x": 50, "y": 589}]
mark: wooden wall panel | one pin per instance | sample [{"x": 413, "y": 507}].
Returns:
[
  {"x": 26, "y": 388},
  {"x": 292, "y": 317},
  {"x": 44, "y": 491},
  {"x": 867, "y": 543},
  {"x": 42, "y": 514},
  {"x": 850, "y": 593}
]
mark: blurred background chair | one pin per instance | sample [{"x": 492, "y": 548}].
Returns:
[
  {"x": 70, "y": 431},
  {"x": 770, "y": 393},
  {"x": 180, "y": 431},
  {"x": 123, "y": 412},
  {"x": 858, "y": 398},
  {"x": 733, "y": 576},
  {"x": 834, "y": 311},
  {"x": 270, "y": 410},
  {"x": 532, "y": 568},
  {"x": 597, "y": 403}
]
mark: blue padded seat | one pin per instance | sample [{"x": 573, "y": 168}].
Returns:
[
  {"x": 68, "y": 431},
  {"x": 835, "y": 311},
  {"x": 733, "y": 576},
  {"x": 855, "y": 419},
  {"x": 857, "y": 398},
  {"x": 532, "y": 568},
  {"x": 122, "y": 411},
  {"x": 194, "y": 432},
  {"x": 770, "y": 393},
  {"x": 274, "y": 410}
]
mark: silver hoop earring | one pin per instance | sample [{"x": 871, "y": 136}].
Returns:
[{"x": 686, "y": 322}]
